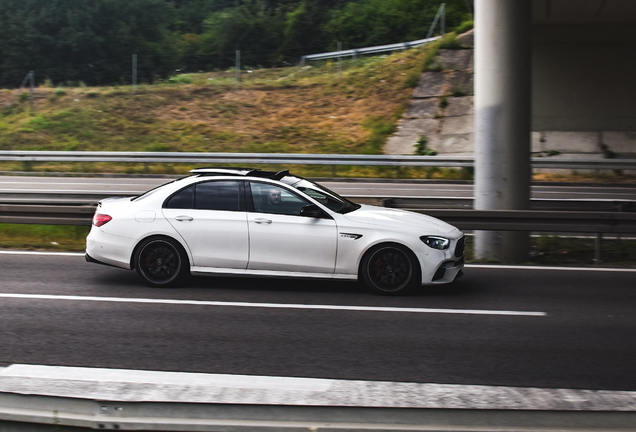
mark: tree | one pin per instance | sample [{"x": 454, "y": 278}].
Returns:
[
  {"x": 84, "y": 40},
  {"x": 378, "y": 22},
  {"x": 251, "y": 27}
]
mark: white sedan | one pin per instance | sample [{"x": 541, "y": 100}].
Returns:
[{"x": 244, "y": 222}]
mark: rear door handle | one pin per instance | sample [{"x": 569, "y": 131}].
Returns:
[
  {"x": 262, "y": 221},
  {"x": 184, "y": 218}
]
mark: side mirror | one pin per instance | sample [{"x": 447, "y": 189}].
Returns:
[{"x": 311, "y": 210}]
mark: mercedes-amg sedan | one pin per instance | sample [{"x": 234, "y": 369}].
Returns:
[{"x": 245, "y": 222}]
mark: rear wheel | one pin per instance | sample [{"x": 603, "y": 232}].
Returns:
[
  {"x": 390, "y": 270},
  {"x": 161, "y": 262}
]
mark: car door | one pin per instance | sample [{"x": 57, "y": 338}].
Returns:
[
  {"x": 282, "y": 240},
  {"x": 211, "y": 218}
]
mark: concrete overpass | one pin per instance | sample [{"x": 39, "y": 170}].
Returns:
[{"x": 553, "y": 66}]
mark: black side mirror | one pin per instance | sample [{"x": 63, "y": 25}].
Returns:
[{"x": 312, "y": 210}]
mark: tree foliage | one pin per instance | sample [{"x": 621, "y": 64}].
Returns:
[{"x": 71, "y": 41}]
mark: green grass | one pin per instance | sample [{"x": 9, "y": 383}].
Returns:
[
  {"x": 556, "y": 250},
  {"x": 572, "y": 251},
  {"x": 43, "y": 237},
  {"x": 545, "y": 250}
]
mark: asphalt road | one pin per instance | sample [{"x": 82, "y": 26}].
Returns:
[
  {"x": 582, "y": 333},
  {"x": 137, "y": 185}
]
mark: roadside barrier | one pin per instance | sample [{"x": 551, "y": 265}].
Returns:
[
  {"x": 55, "y": 397},
  {"x": 301, "y": 159}
]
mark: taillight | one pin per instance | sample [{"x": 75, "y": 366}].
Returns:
[{"x": 100, "y": 219}]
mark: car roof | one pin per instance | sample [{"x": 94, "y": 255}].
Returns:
[{"x": 244, "y": 172}]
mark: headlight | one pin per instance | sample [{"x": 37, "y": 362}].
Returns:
[{"x": 439, "y": 243}]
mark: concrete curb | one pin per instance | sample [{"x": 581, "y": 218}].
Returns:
[
  {"x": 150, "y": 386},
  {"x": 38, "y": 398}
]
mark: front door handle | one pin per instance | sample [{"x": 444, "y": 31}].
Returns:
[
  {"x": 184, "y": 218},
  {"x": 262, "y": 221}
]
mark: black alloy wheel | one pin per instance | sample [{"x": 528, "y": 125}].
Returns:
[
  {"x": 390, "y": 270},
  {"x": 160, "y": 262}
]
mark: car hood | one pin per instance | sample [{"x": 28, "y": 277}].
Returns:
[{"x": 400, "y": 219}]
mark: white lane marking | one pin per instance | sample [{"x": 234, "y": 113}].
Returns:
[
  {"x": 10, "y": 252},
  {"x": 271, "y": 305},
  {"x": 479, "y": 266},
  {"x": 521, "y": 267}
]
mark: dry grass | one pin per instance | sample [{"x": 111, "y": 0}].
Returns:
[{"x": 293, "y": 110}]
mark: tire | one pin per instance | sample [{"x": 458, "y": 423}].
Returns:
[
  {"x": 161, "y": 262},
  {"x": 390, "y": 269}
]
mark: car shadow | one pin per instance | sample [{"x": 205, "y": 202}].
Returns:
[{"x": 119, "y": 279}]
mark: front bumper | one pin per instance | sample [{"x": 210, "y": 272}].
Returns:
[{"x": 448, "y": 271}]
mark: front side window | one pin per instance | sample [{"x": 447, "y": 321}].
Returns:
[
  {"x": 269, "y": 198},
  {"x": 324, "y": 196}
]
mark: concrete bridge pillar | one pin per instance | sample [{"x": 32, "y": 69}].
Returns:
[{"x": 503, "y": 56}]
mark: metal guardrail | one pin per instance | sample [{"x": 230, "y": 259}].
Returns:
[
  {"x": 79, "y": 215},
  {"x": 536, "y": 220},
  {"x": 547, "y": 204},
  {"x": 495, "y": 220},
  {"x": 368, "y": 50},
  {"x": 88, "y": 198},
  {"x": 300, "y": 159}
]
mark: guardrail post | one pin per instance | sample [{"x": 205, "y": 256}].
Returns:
[
  {"x": 597, "y": 248},
  {"x": 134, "y": 73},
  {"x": 238, "y": 69},
  {"x": 32, "y": 89},
  {"x": 339, "y": 60}
]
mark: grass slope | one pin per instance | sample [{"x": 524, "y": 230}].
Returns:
[{"x": 312, "y": 109}]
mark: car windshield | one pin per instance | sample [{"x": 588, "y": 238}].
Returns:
[{"x": 324, "y": 196}]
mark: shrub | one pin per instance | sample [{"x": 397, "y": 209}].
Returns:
[
  {"x": 609, "y": 154},
  {"x": 158, "y": 147},
  {"x": 450, "y": 42},
  {"x": 411, "y": 80},
  {"x": 464, "y": 27},
  {"x": 421, "y": 147},
  {"x": 180, "y": 79}
]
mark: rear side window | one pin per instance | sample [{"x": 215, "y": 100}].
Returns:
[
  {"x": 218, "y": 195},
  {"x": 183, "y": 199}
]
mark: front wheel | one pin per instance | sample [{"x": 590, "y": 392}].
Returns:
[
  {"x": 390, "y": 270},
  {"x": 161, "y": 262}
]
